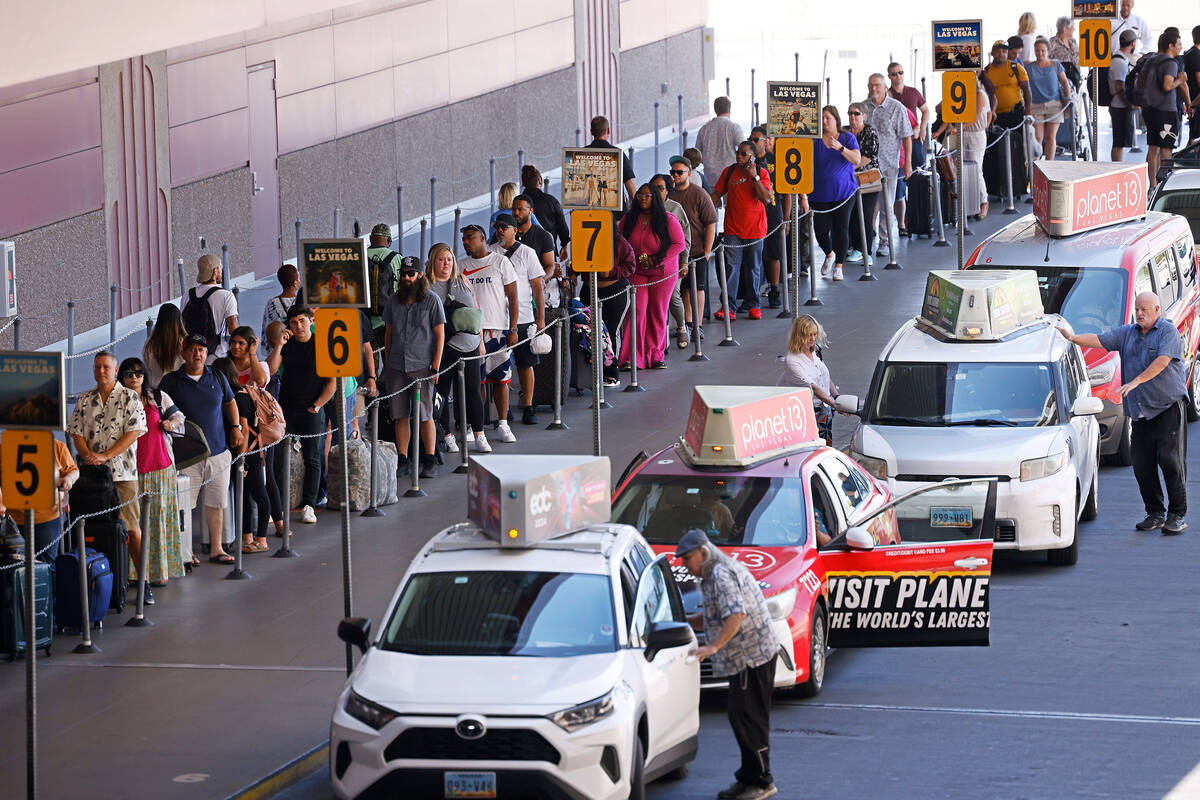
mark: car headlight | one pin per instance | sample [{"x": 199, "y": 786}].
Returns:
[
  {"x": 875, "y": 466},
  {"x": 781, "y": 605},
  {"x": 1103, "y": 373},
  {"x": 366, "y": 712},
  {"x": 576, "y": 717},
  {"x": 1043, "y": 467}
]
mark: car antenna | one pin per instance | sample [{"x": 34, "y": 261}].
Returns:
[{"x": 1047, "y": 258}]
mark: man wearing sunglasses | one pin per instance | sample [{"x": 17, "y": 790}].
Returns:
[{"x": 702, "y": 220}]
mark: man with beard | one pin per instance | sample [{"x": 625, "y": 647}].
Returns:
[{"x": 414, "y": 330}]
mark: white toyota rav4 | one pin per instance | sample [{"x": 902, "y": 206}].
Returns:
[{"x": 536, "y": 652}]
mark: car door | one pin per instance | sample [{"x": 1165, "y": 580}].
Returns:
[
  {"x": 1085, "y": 430},
  {"x": 672, "y": 678},
  {"x": 858, "y": 498},
  {"x": 930, "y": 588}
]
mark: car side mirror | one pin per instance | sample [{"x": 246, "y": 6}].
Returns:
[
  {"x": 847, "y": 403},
  {"x": 355, "y": 631},
  {"x": 1087, "y": 407},
  {"x": 665, "y": 635},
  {"x": 859, "y": 539}
]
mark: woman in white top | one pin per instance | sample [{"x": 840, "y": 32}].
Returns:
[
  {"x": 975, "y": 137},
  {"x": 802, "y": 366}
]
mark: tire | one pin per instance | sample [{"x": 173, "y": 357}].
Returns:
[
  {"x": 637, "y": 771},
  {"x": 817, "y": 641},
  {"x": 677, "y": 774},
  {"x": 1091, "y": 506},
  {"x": 1123, "y": 457},
  {"x": 1066, "y": 556},
  {"x": 1193, "y": 406}
]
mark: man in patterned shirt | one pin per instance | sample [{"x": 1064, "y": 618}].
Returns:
[
  {"x": 104, "y": 428},
  {"x": 742, "y": 648}
]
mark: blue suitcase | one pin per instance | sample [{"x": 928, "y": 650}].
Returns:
[
  {"x": 12, "y": 618},
  {"x": 66, "y": 597}
]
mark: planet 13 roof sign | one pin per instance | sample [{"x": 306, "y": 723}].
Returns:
[
  {"x": 740, "y": 425},
  {"x": 1075, "y": 196}
]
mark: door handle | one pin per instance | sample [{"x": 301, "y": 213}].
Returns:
[
  {"x": 970, "y": 563},
  {"x": 254, "y": 182}
]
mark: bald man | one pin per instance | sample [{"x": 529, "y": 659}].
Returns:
[{"x": 1155, "y": 390}]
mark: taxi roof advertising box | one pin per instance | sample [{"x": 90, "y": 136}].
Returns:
[
  {"x": 737, "y": 426},
  {"x": 1075, "y": 196},
  {"x": 522, "y": 500},
  {"x": 981, "y": 304}
]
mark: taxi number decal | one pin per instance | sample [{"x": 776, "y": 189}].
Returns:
[{"x": 754, "y": 559}]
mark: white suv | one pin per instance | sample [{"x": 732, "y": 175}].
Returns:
[{"x": 561, "y": 669}]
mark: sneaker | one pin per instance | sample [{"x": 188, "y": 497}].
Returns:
[
  {"x": 1151, "y": 522},
  {"x": 504, "y": 433},
  {"x": 828, "y": 264},
  {"x": 756, "y": 313},
  {"x": 308, "y": 516},
  {"x": 149, "y": 599},
  {"x": 854, "y": 255},
  {"x": 773, "y": 298},
  {"x": 881, "y": 251},
  {"x": 611, "y": 383},
  {"x": 450, "y": 442},
  {"x": 720, "y": 314},
  {"x": 470, "y": 432},
  {"x": 429, "y": 466},
  {"x": 659, "y": 365},
  {"x": 625, "y": 367},
  {"x": 402, "y": 468},
  {"x": 529, "y": 416},
  {"x": 734, "y": 789},
  {"x": 1174, "y": 525},
  {"x": 758, "y": 792},
  {"x": 481, "y": 443},
  {"x": 682, "y": 337},
  {"x": 837, "y": 273}
]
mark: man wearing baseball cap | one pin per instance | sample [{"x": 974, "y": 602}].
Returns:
[
  {"x": 384, "y": 265},
  {"x": 742, "y": 648}
]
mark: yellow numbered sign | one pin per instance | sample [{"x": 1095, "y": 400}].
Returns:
[
  {"x": 591, "y": 240},
  {"x": 1095, "y": 43},
  {"x": 27, "y": 469},
  {"x": 793, "y": 165},
  {"x": 339, "y": 352},
  {"x": 959, "y": 96}
]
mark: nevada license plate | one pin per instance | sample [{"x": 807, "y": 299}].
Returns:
[
  {"x": 950, "y": 517},
  {"x": 470, "y": 784}
]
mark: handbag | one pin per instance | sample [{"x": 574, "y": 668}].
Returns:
[
  {"x": 868, "y": 176},
  {"x": 189, "y": 447}
]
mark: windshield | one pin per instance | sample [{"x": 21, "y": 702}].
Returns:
[
  {"x": 547, "y": 614},
  {"x": 732, "y": 511},
  {"x": 1092, "y": 299},
  {"x": 1001, "y": 395},
  {"x": 1184, "y": 203}
]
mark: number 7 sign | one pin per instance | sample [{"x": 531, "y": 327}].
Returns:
[
  {"x": 27, "y": 469},
  {"x": 591, "y": 241}
]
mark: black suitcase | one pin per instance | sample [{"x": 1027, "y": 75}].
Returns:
[
  {"x": 919, "y": 215},
  {"x": 111, "y": 539},
  {"x": 94, "y": 491},
  {"x": 12, "y": 598},
  {"x": 543, "y": 373},
  {"x": 993, "y": 163}
]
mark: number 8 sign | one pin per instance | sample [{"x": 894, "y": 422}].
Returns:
[
  {"x": 958, "y": 96},
  {"x": 27, "y": 469},
  {"x": 793, "y": 165}
]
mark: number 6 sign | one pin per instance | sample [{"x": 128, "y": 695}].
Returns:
[
  {"x": 27, "y": 470},
  {"x": 958, "y": 96},
  {"x": 339, "y": 353},
  {"x": 793, "y": 165}
]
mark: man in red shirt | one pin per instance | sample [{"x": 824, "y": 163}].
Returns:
[{"x": 747, "y": 189}]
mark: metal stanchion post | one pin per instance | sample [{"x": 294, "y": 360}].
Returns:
[
  {"x": 726, "y": 307},
  {"x": 17, "y": 333},
  {"x": 297, "y": 224},
  {"x": 347, "y": 580},
  {"x": 727, "y": 87},
  {"x": 1008, "y": 186},
  {"x": 285, "y": 550},
  {"x": 424, "y": 225},
  {"x": 373, "y": 510},
  {"x": 1095, "y": 111},
  {"x": 579, "y": 137},
  {"x": 225, "y": 266},
  {"x": 460, "y": 403},
  {"x": 939, "y": 216},
  {"x": 796, "y": 60},
  {"x": 337, "y": 221},
  {"x": 138, "y": 620},
  {"x": 520, "y": 164},
  {"x": 684, "y": 146},
  {"x": 656, "y": 123},
  {"x": 414, "y": 449},
  {"x": 862, "y": 232},
  {"x": 85, "y": 614},
  {"x": 398, "y": 246},
  {"x": 598, "y": 388},
  {"x": 183, "y": 287},
  {"x": 827, "y": 91},
  {"x": 633, "y": 341},
  {"x": 697, "y": 321},
  {"x": 752, "y": 93},
  {"x": 70, "y": 346},
  {"x": 239, "y": 483},
  {"x": 432, "y": 212},
  {"x": 557, "y": 424},
  {"x": 149, "y": 329},
  {"x": 112, "y": 313},
  {"x": 679, "y": 117},
  {"x": 849, "y": 85},
  {"x": 597, "y": 364},
  {"x": 813, "y": 300},
  {"x": 960, "y": 201},
  {"x": 454, "y": 237},
  {"x": 796, "y": 262},
  {"x": 755, "y": 116},
  {"x": 785, "y": 295},
  {"x": 30, "y": 661},
  {"x": 1027, "y": 132}
]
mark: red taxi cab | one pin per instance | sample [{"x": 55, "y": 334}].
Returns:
[
  {"x": 842, "y": 563},
  {"x": 1095, "y": 247}
]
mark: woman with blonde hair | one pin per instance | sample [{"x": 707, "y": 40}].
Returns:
[
  {"x": 1026, "y": 29},
  {"x": 803, "y": 366}
]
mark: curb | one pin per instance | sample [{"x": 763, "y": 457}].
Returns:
[{"x": 292, "y": 772}]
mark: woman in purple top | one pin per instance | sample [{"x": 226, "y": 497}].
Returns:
[{"x": 835, "y": 155}]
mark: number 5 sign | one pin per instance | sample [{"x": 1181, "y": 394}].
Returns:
[
  {"x": 338, "y": 352},
  {"x": 793, "y": 165},
  {"x": 959, "y": 96},
  {"x": 27, "y": 469},
  {"x": 591, "y": 241}
]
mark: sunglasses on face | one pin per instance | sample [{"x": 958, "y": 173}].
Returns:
[
  {"x": 856, "y": 113},
  {"x": 133, "y": 373},
  {"x": 410, "y": 273},
  {"x": 502, "y": 227},
  {"x": 757, "y": 140},
  {"x": 679, "y": 172},
  {"x": 743, "y": 154}
]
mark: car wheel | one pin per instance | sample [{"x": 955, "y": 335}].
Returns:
[
  {"x": 637, "y": 771},
  {"x": 1066, "y": 556},
  {"x": 1091, "y": 506},
  {"x": 816, "y": 656},
  {"x": 1193, "y": 409},
  {"x": 677, "y": 774},
  {"x": 1123, "y": 456}
]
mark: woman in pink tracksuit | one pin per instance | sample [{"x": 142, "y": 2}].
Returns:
[{"x": 657, "y": 240}]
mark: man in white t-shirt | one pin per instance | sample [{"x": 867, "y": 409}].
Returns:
[
  {"x": 530, "y": 304},
  {"x": 222, "y": 305},
  {"x": 494, "y": 283}
]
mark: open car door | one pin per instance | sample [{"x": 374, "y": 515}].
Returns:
[{"x": 929, "y": 589}]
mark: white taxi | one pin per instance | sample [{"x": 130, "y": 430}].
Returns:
[
  {"x": 537, "y": 651},
  {"x": 983, "y": 384}
]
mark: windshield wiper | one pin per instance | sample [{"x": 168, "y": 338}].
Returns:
[
  {"x": 984, "y": 422},
  {"x": 926, "y": 423}
]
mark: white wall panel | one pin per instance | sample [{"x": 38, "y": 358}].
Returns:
[
  {"x": 305, "y": 119},
  {"x": 364, "y": 102},
  {"x": 483, "y": 67},
  {"x": 472, "y": 21},
  {"x": 545, "y": 49},
  {"x": 302, "y": 61},
  {"x": 646, "y": 21},
  {"x": 362, "y": 46},
  {"x": 422, "y": 85},
  {"x": 419, "y": 31},
  {"x": 205, "y": 87}
]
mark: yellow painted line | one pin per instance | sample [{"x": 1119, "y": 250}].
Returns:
[
  {"x": 1188, "y": 788},
  {"x": 290, "y": 773}
]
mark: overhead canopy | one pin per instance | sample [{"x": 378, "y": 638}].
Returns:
[{"x": 737, "y": 426}]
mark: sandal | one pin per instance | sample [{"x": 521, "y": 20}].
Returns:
[
  {"x": 251, "y": 548},
  {"x": 224, "y": 558}
]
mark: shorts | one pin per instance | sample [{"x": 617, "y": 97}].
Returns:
[
  {"x": 523, "y": 353},
  {"x": 698, "y": 265},
  {"x": 1050, "y": 111},
  {"x": 1162, "y": 127},
  {"x": 131, "y": 512},
  {"x": 771, "y": 250},
  {"x": 213, "y": 473},
  {"x": 401, "y": 404},
  {"x": 497, "y": 366},
  {"x": 1122, "y": 126},
  {"x": 901, "y": 186}
]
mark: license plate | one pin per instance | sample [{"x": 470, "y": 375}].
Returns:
[
  {"x": 470, "y": 784},
  {"x": 950, "y": 517}
]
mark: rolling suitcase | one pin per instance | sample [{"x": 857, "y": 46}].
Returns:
[
  {"x": 970, "y": 188},
  {"x": 543, "y": 373},
  {"x": 110, "y": 538},
  {"x": 66, "y": 584},
  {"x": 12, "y": 614},
  {"x": 94, "y": 491},
  {"x": 919, "y": 216}
]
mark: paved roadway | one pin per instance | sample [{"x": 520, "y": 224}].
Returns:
[{"x": 1085, "y": 691}]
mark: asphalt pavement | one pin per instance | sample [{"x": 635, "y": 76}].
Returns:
[{"x": 1087, "y": 689}]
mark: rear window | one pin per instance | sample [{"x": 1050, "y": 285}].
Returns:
[
  {"x": 1186, "y": 204},
  {"x": 1092, "y": 300}
]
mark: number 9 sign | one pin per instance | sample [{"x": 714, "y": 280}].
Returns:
[
  {"x": 339, "y": 354},
  {"x": 793, "y": 165},
  {"x": 27, "y": 469},
  {"x": 959, "y": 96}
]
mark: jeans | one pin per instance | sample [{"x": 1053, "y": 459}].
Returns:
[
  {"x": 312, "y": 450},
  {"x": 743, "y": 262},
  {"x": 254, "y": 491},
  {"x": 43, "y": 534},
  {"x": 1160, "y": 443},
  {"x": 833, "y": 227}
]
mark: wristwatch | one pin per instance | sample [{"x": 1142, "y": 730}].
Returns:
[
  {"x": 757, "y": 178},
  {"x": 843, "y": 149},
  {"x": 237, "y": 427}
]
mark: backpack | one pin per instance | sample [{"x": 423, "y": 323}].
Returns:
[
  {"x": 1143, "y": 84},
  {"x": 198, "y": 317},
  {"x": 269, "y": 414},
  {"x": 1104, "y": 92},
  {"x": 383, "y": 281}
]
